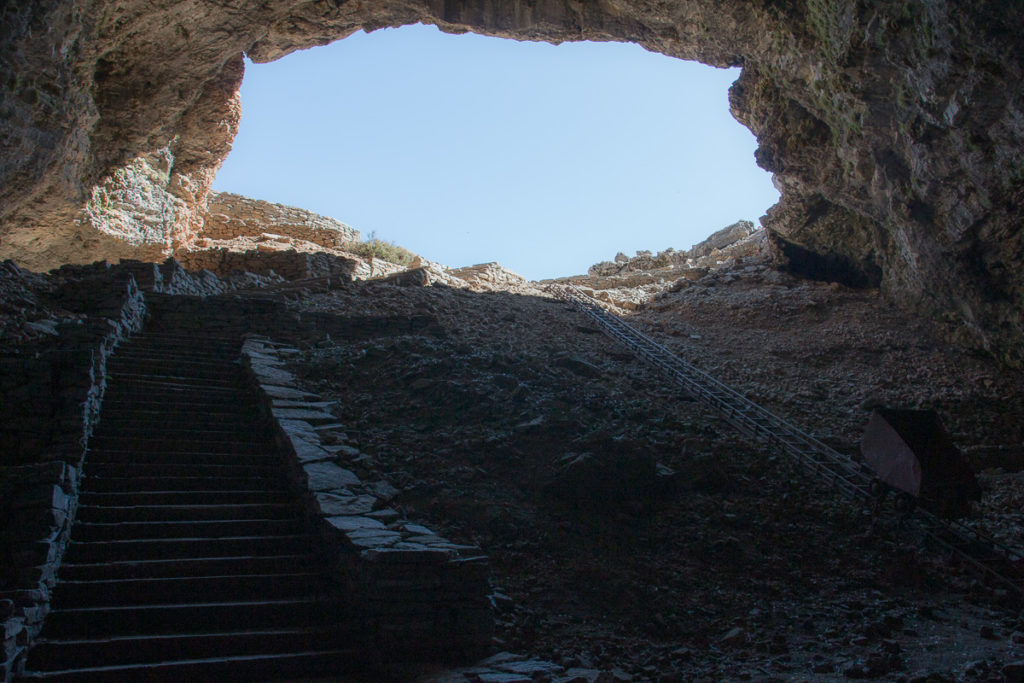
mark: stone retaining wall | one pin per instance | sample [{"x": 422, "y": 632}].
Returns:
[
  {"x": 417, "y": 594},
  {"x": 50, "y": 395}
]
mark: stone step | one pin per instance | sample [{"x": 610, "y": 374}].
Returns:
[
  {"x": 168, "y": 343},
  {"x": 127, "y": 498},
  {"x": 171, "y": 376},
  {"x": 173, "y": 352},
  {"x": 163, "y": 358},
  {"x": 135, "y": 375},
  {"x": 240, "y": 430},
  {"x": 185, "y": 548},
  {"x": 139, "y": 379},
  {"x": 166, "y": 591},
  {"x": 187, "y": 618},
  {"x": 121, "y": 420},
  {"x": 221, "y": 528},
  {"x": 55, "y": 655},
  {"x": 186, "y": 567},
  {"x": 91, "y": 514},
  {"x": 172, "y": 357},
  {"x": 176, "y": 408},
  {"x": 161, "y": 392},
  {"x": 154, "y": 332},
  {"x": 125, "y": 470},
  {"x": 140, "y": 357},
  {"x": 189, "y": 559},
  {"x": 181, "y": 445},
  {"x": 294, "y": 666},
  {"x": 196, "y": 401},
  {"x": 165, "y": 351},
  {"x": 112, "y": 455},
  {"x": 142, "y": 439},
  {"x": 193, "y": 484}
]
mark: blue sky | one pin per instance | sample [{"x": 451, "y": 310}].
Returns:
[{"x": 469, "y": 149}]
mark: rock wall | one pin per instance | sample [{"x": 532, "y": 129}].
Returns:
[
  {"x": 230, "y": 215},
  {"x": 50, "y": 393},
  {"x": 894, "y": 128},
  {"x": 738, "y": 240}
]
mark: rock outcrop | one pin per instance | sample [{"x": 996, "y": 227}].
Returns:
[
  {"x": 894, "y": 129},
  {"x": 627, "y": 284},
  {"x": 482, "y": 277},
  {"x": 238, "y": 233},
  {"x": 231, "y": 215},
  {"x": 728, "y": 242}
]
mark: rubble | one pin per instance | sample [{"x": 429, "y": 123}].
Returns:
[
  {"x": 474, "y": 421},
  {"x": 432, "y": 422}
]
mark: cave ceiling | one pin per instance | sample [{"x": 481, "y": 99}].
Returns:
[{"x": 893, "y": 128}]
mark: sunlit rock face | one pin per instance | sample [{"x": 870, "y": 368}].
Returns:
[{"x": 894, "y": 128}]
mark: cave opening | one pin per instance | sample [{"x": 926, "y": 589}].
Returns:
[{"x": 467, "y": 148}]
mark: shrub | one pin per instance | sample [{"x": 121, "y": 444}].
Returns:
[{"x": 372, "y": 247}]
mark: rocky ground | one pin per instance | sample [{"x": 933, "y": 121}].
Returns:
[
  {"x": 633, "y": 535},
  {"x": 516, "y": 425}
]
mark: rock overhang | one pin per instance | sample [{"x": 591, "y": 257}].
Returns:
[{"x": 893, "y": 129}]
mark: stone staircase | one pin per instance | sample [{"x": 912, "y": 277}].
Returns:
[{"x": 190, "y": 557}]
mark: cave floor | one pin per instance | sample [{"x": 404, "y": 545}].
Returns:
[
  {"x": 744, "y": 569},
  {"x": 747, "y": 570}
]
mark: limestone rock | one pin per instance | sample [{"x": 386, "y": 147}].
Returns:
[
  {"x": 326, "y": 476},
  {"x": 893, "y": 129},
  {"x": 606, "y": 268},
  {"x": 725, "y": 237},
  {"x": 333, "y": 504},
  {"x": 230, "y": 215},
  {"x": 486, "y": 277}
]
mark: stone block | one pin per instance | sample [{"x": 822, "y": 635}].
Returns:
[
  {"x": 308, "y": 451},
  {"x": 326, "y": 476},
  {"x": 531, "y": 667},
  {"x": 264, "y": 359},
  {"x": 373, "y": 538},
  {"x": 35, "y": 614},
  {"x": 302, "y": 414},
  {"x": 299, "y": 428},
  {"x": 385, "y": 515},
  {"x": 332, "y": 504},
  {"x": 329, "y": 426},
  {"x": 281, "y": 392},
  {"x": 353, "y": 523},
  {"x": 309, "y": 405},
  {"x": 272, "y": 375},
  {"x": 504, "y": 677},
  {"x": 408, "y": 555}
]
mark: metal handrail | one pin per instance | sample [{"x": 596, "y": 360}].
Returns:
[{"x": 981, "y": 551}]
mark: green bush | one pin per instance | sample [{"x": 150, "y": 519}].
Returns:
[{"x": 376, "y": 248}]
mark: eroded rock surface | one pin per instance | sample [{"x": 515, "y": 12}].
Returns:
[
  {"x": 894, "y": 129},
  {"x": 231, "y": 215},
  {"x": 627, "y": 284}
]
